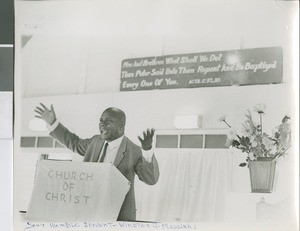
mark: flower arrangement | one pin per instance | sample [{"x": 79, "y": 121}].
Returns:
[{"x": 255, "y": 142}]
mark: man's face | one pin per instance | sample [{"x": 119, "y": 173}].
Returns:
[{"x": 110, "y": 126}]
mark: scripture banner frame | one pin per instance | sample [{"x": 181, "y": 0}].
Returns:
[
  {"x": 66, "y": 191},
  {"x": 209, "y": 69}
]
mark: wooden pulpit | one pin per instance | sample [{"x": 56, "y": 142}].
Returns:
[{"x": 77, "y": 191}]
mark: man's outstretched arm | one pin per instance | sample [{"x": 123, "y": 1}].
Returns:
[
  {"x": 147, "y": 166},
  {"x": 59, "y": 132},
  {"x": 48, "y": 115}
]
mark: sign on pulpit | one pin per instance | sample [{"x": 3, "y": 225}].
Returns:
[{"x": 77, "y": 191}]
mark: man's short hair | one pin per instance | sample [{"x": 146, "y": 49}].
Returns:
[{"x": 118, "y": 113}]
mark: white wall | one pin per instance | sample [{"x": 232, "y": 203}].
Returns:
[
  {"x": 158, "y": 108},
  {"x": 84, "y": 47}
]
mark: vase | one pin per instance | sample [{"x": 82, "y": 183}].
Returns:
[{"x": 262, "y": 173}]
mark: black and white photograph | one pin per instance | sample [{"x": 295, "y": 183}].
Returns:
[{"x": 156, "y": 115}]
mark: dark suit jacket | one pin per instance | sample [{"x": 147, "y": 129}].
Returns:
[{"x": 129, "y": 161}]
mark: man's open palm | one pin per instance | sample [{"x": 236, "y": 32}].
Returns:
[
  {"x": 48, "y": 115},
  {"x": 147, "y": 139}
]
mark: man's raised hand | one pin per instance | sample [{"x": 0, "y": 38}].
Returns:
[
  {"x": 147, "y": 139},
  {"x": 48, "y": 115}
]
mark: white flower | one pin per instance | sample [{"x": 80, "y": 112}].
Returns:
[
  {"x": 268, "y": 143},
  {"x": 228, "y": 142},
  {"x": 231, "y": 134},
  {"x": 251, "y": 156},
  {"x": 285, "y": 128},
  {"x": 273, "y": 150},
  {"x": 260, "y": 108},
  {"x": 222, "y": 118},
  {"x": 253, "y": 141},
  {"x": 254, "y": 144}
]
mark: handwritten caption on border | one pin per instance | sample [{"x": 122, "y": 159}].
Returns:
[{"x": 107, "y": 226}]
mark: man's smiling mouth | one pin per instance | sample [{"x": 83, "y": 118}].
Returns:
[{"x": 103, "y": 131}]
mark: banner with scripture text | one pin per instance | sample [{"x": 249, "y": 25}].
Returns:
[
  {"x": 209, "y": 69},
  {"x": 67, "y": 191}
]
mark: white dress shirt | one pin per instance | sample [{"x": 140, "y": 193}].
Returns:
[
  {"x": 112, "y": 148},
  {"x": 111, "y": 151}
]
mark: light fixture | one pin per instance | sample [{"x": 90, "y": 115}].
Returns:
[
  {"x": 233, "y": 59},
  {"x": 38, "y": 125},
  {"x": 188, "y": 121}
]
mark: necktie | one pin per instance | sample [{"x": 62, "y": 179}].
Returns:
[{"x": 104, "y": 152}]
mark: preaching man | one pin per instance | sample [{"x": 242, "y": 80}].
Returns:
[{"x": 110, "y": 146}]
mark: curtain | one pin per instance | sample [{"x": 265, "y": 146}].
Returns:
[{"x": 192, "y": 187}]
